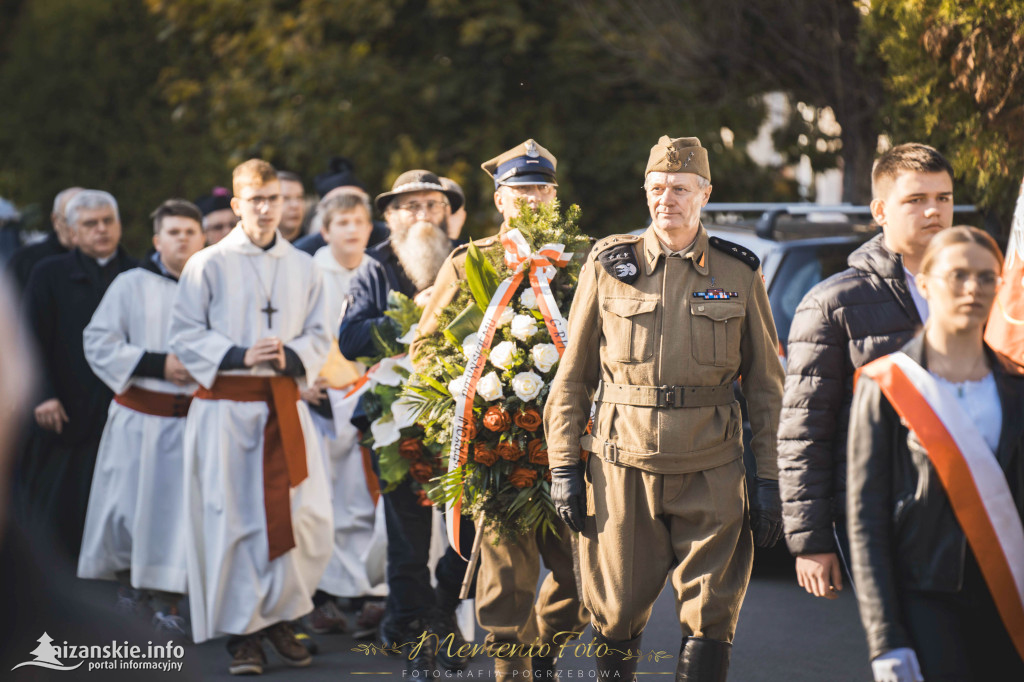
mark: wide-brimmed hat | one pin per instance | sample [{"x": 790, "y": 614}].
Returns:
[{"x": 417, "y": 181}]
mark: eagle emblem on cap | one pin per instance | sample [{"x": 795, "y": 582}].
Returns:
[
  {"x": 531, "y": 149},
  {"x": 623, "y": 270},
  {"x": 672, "y": 158}
]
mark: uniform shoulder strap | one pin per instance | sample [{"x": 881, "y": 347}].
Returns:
[{"x": 736, "y": 251}]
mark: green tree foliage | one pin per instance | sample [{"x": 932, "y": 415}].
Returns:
[
  {"x": 441, "y": 84},
  {"x": 955, "y": 72},
  {"x": 82, "y": 107}
]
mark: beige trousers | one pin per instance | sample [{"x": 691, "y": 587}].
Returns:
[
  {"x": 508, "y": 605},
  {"x": 643, "y": 528}
]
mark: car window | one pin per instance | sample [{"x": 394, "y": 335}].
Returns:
[{"x": 800, "y": 268}]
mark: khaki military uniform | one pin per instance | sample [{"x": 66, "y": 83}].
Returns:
[
  {"x": 508, "y": 605},
  {"x": 667, "y": 493}
]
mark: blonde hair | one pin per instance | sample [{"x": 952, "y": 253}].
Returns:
[
  {"x": 959, "y": 234},
  {"x": 251, "y": 173}
]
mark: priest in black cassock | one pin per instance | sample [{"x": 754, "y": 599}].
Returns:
[
  {"x": 55, "y": 471},
  {"x": 25, "y": 259}
]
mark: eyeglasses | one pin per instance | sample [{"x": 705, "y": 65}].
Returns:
[
  {"x": 415, "y": 207},
  {"x": 531, "y": 190},
  {"x": 957, "y": 280},
  {"x": 258, "y": 201}
]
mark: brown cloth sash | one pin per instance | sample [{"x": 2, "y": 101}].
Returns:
[
  {"x": 154, "y": 403},
  {"x": 284, "y": 447}
]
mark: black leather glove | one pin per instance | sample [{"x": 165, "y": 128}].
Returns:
[
  {"x": 765, "y": 512},
  {"x": 569, "y": 494}
]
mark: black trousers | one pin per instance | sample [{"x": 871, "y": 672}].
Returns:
[{"x": 959, "y": 636}]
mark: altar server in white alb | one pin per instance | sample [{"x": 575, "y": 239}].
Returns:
[
  {"x": 249, "y": 324},
  {"x": 135, "y": 524},
  {"x": 356, "y": 569}
]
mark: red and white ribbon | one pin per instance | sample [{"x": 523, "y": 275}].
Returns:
[{"x": 540, "y": 268}]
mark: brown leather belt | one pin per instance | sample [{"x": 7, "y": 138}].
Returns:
[
  {"x": 284, "y": 447},
  {"x": 664, "y": 396},
  {"x": 154, "y": 403}
]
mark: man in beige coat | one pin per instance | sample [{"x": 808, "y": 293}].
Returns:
[
  {"x": 508, "y": 605},
  {"x": 661, "y": 326}
]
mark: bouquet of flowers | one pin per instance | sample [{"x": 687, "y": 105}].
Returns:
[
  {"x": 394, "y": 434},
  {"x": 480, "y": 390}
]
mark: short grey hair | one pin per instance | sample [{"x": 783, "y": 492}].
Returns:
[
  {"x": 62, "y": 198},
  {"x": 702, "y": 182},
  {"x": 87, "y": 200}
]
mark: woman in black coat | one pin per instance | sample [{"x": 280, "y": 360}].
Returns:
[{"x": 925, "y": 605}]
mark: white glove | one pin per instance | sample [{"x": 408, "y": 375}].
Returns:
[{"x": 897, "y": 665}]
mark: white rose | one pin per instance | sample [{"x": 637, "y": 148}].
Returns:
[
  {"x": 527, "y": 385},
  {"x": 523, "y": 327},
  {"x": 528, "y": 298},
  {"x": 545, "y": 355},
  {"x": 489, "y": 387},
  {"x": 457, "y": 385},
  {"x": 470, "y": 344},
  {"x": 506, "y": 316},
  {"x": 503, "y": 356}
]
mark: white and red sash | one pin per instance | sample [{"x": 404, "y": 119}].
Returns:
[{"x": 971, "y": 476}]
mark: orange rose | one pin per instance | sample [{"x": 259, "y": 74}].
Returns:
[
  {"x": 523, "y": 478},
  {"x": 484, "y": 454},
  {"x": 421, "y": 472},
  {"x": 529, "y": 419},
  {"x": 537, "y": 452},
  {"x": 469, "y": 430},
  {"x": 509, "y": 451},
  {"x": 410, "y": 449},
  {"x": 496, "y": 419},
  {"x": 422, "y": 499}
]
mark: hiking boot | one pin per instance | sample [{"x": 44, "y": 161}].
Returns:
[
  {"x": 248, "y": 658},
  {"x": 327, "y": 619},
  {"x": 369, "y": 619},
  {"x": 445, "y": 624},
  {"x": 424, "y": 662},
  {"x": 282, "y": 640}
]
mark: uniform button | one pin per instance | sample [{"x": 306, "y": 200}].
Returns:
[{"x": 700, "y": 308}]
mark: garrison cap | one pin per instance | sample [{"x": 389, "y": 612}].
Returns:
[
  {"x": 679, "y": 155},
  {"x": 525, "y": 164},
  {"x": 418, "y": 181}
]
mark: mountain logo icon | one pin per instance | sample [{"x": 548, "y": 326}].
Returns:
[{"x": 46, "y": 656}]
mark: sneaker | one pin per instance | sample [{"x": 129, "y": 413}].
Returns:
[
  {"x": 368, "y": 620},
  {"x": 129, "y": 601},
  {"x": 327, "y": 618},
  {"x": 249, "y": 658},
  {"x": 169, "y": 623},
  {"x": 282, "y": 640}
]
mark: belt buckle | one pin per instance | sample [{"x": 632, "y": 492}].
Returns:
[
  {"x": 610, "y": 452},
  {"x": 670, "y": 396}
]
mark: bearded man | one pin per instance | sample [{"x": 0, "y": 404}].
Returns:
[{"x": 416, "y": 210}]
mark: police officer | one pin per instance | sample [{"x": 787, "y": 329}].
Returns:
[
  {"x": 661, "y": 326},
  {"x": 509, "y": 569}
]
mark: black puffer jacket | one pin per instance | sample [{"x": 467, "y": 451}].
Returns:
[{"x": 844, "y": 322}]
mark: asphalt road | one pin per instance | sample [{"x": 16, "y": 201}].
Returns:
[{"x": 784, "y": 635}]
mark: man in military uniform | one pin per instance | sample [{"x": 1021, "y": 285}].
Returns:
[
  {"x": 661, "y": 326},
  {"x": 509, "y": 570}
]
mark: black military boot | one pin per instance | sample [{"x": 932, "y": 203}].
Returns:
[
  {"x": 621, "y": 660},
  {"x": 543, "y": 667},
  {"x": 445, "y": 623},
  {"x": 703, "y": 660},
  {"x": 402, "y": 641}
]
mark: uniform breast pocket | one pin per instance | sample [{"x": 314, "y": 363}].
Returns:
[
  {"x": 629, "y": 328},
  {"x": 715, "y": 331}
]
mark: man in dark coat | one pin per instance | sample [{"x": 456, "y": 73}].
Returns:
[
  {"x": 57, "y": 242},
  {"x": 869, "y": 310},
  {"x": 62, "y": 293},
  {"x": 416, "y": 209}
]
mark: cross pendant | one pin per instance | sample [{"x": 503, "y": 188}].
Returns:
[{"x": 269, "y": 310}]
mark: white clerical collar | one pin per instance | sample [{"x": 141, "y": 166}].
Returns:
[{"x": 104, "y": 261}]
